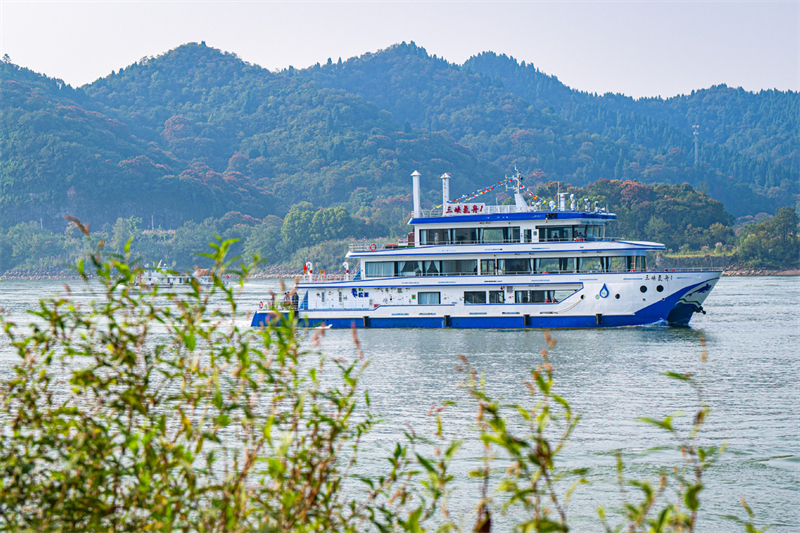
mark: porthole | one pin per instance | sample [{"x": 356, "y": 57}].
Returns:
[
  {"x": 582, "y": 296},
  {"x": 660, "y": 288},
  {"x": 643, "y": 288},
  {"x": 616, "y": 296}
]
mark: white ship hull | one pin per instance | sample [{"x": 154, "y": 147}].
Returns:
[{"x": 593, "y": 300}]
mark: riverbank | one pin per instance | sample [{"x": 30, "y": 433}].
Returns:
[
  {"x": 61, "y": 273},
  {"x": 276, "y": 272},
  {"x": 44, "y": 273},
  {"x": 749, "y": 271},
  {"x": 724, "y": 262}
]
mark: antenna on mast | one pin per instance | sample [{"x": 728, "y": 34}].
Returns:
[{"x": 516, "y": 186}]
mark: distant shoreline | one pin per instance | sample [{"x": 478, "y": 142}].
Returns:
[
  {"x": 49, "y": 274},
  {"x": 759, "y": 272}
]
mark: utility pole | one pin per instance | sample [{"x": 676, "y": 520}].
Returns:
[{"x": 696, "y": 134}]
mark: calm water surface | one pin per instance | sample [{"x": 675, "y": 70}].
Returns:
[{"x": 611, "y": 377}]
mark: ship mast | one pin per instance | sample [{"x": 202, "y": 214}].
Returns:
[{"x": 516, "y": 186}]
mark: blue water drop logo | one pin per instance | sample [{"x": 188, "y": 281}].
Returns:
[{"x": 604, "y": 291}]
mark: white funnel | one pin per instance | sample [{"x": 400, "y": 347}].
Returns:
[
  {"x": 445, "y": 190},
  {"x": 417, "y": 211}
]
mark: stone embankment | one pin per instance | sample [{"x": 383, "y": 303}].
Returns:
[
  {"x": 716, "y": 261},
  {"x": 737, "y": 270},
  {"x": 52, "y": 272},
  {"x": 277, "y": 272}
]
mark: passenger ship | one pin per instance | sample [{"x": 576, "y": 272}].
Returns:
[{"x": 472, "y": 265}]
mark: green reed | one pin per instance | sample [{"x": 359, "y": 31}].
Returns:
[{"x": 129, "y": 414}]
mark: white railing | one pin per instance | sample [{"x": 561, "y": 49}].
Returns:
[
  {"x": 487, "y": 210},
  {"x": 325, "y": 277},
  {"x": 502, "y": 209},
  {"x": 556, "y": 271},
  {"x": 377, "y": 246}
]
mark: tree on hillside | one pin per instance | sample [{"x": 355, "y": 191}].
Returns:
[
  {"x": 773, "y": 243},
  {"x": 297, "y": 225},
  {"x": 123, "y": 230},
  {"x": 265, "y": 241},
  {"x": 33, "y": 246}
]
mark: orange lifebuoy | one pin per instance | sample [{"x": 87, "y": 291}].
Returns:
[{"x": 373, "y": 247}]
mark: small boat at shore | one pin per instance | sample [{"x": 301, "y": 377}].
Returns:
[
  {"x": 157, "y": 276},
  {"x": 472, "y": 265}
]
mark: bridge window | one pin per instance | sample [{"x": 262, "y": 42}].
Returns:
[
  {"x": 379, "y": 269},
  {"x": 428, "y": 298},
  {"x": 547, "y": 265},
  {"x": 558, "y": 234},
  {"x": 475, "y": 297},
  {"x": 511, "y": 234},
  {"x": 492, "y": 235},
  {"x": 590, "y": 264},
  {"x": 617, "y": 264},
  {"x": 434, "y": 236},
  {"x": 409, "y": 268},
  {"x": 595, "y": 233},
  {"x": 566, "y": 264},
  {"x": 432, "y": 268},
  {"x": 636, "y": 263},
  {"x": 460, "y": 267},
  {"x": 466, "y": 236},
  {"x": 514, "y": 266}
]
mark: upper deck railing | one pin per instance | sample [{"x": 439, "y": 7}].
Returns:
[
  {"x": 498, "y": 209},
  {"x": 378, "y": 246},
  {"x": 647, "y": 271}
]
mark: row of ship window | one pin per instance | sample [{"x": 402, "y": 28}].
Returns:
[
  {"x": 509, "y": 235},
  {"x": 498, "y": 297},
  {"x": 499, "y": 267}
]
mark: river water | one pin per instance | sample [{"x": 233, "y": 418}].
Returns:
[{"x": 611, "y": 377}]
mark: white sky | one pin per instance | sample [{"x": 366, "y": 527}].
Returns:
[{"x": 637, "y": 48}]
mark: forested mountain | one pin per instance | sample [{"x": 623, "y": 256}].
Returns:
[
  {"x": 511, "y": 114},
  {"x": 198, "y": 133},
  {"x": 752, "y": 137},
  {"x": 64, "y": 153}
]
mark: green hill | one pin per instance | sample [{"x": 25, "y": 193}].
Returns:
[
  {"x": 750, "y": 137},
  {"x": 198, "y": 133},
  {"x": 65, "y": 153},
  {"x": 299, "y": 141}
]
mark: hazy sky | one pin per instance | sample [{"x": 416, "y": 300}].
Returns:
[{"x": 637, "y": 48}]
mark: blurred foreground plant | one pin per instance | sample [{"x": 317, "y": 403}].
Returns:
[
  {"x": 143, "y": 410},
  {"x": 149, "y": 411}
]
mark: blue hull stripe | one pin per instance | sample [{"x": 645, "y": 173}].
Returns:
[{"x": 669, "y": 311}]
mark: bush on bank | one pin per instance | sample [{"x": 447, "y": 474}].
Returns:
[{"x": 143, "y": 411}]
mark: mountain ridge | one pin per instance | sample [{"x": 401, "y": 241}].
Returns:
[{"x": 203, "y": 126}]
